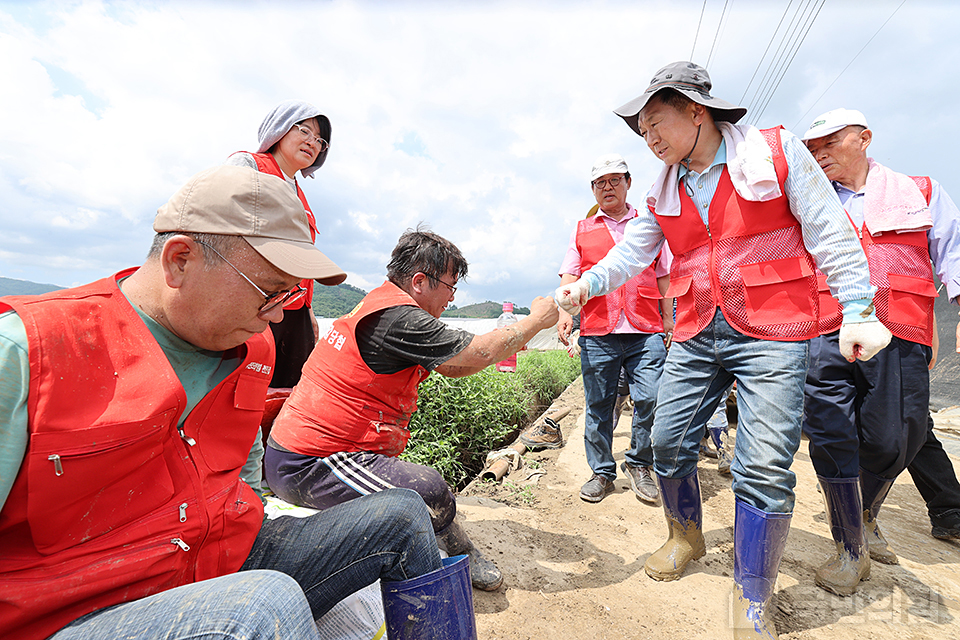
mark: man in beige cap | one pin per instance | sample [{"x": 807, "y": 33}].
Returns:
[
  {"x": 748, "y": 217},
  {"x": 129, "y": 406}
]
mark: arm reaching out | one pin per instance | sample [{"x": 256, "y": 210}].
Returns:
[{"x": 489, "y": 348}]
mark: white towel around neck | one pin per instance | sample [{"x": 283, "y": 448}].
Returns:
[{"x": 749, "y": 164}]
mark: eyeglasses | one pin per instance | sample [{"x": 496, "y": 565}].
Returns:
[
  {"x": 310, "y": 136},
  {"x": 602, "y": 184},
  {"x": 453, "y": 289},
  {"x": 270, "y": 300}
]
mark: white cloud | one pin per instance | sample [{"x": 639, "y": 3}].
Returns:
[{"x": 481, "y": 119}]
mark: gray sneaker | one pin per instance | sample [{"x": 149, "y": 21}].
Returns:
[
  {"x": 596, "y": 488},
  {"x": 642, "y": 483}
]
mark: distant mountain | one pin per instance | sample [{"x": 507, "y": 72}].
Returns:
[
  {"x": 486, "y": 309},
  {"x": 11, "y": 287},
  {"x": 333, "y": 302}
]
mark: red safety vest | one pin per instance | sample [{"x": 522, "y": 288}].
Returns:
[
  {"x": 750, "y": 262},
  {"x": 111, "y": 503},
  {"x": 639, "y": 298},
  {"x": 266, "y": 163},
  {"x": 339, "y": 403},
  {"x": 900, "y": 270}
]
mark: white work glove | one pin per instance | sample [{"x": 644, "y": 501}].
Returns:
[
  {"x": 863, "y": 340},
  {"x": 571, "y": 297}
]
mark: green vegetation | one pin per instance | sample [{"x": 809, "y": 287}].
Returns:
[
  {"x": 460, "y": 420},
  {"x": 486, "y": 309},
  {"x": 333, "y": 302}
]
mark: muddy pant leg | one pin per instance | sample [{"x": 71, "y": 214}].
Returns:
[
  {"x": 252, "y": 605},
  {"x": 321, "y": 483},
  {"x": 334, "y": 553}
]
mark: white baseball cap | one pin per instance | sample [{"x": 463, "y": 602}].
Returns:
[
  {"x": 833, "y": 121},
  {"x": 610, "y": 163}
]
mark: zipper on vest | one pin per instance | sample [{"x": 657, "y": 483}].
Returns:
[
  {"x": 183, "y": 512},
  {"x": 190, "y": 441},
  {"x": 180, "y": 543},
  {"x": 57, "y": 466}
]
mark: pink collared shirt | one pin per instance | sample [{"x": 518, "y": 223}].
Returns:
[{"x": 571, "y": 260}]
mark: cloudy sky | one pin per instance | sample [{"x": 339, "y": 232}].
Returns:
[{"x": 481, "y": 119}]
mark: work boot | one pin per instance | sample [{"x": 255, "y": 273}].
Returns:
[
  {"x": 483, "y": 573},
  {"x": 874, "y": 490},
  {"x": 946, "y": 525},
  {"x": 707, "y": 448},
  {"x": 721, "y": 439},
  {"x": 641, "y": 481},
  {"x": 842, "y": 573},
  {"x": 596, "y": 488},
  {"x": 681, "y": 506},
  {"x": 435, "y": 606},
  {"x": 543, "y": 434},
  {"x": 759, "y": 538},
  {"x": 618, "y": 409}
]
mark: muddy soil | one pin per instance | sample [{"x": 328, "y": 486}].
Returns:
[{"x": 574, "y": 570}]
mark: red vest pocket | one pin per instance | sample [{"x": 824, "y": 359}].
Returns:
[
  {"x": 72, "y": 484},
  {"x": 911, "y": 299},
  {"x": 778, "y": 289}
]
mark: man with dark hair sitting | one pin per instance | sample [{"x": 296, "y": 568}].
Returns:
[{"x": 339, "y": 434}]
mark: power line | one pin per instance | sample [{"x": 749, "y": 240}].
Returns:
[
  {"x": 772, "y": 38},
  {"x": 789, "y": 42},
  {"x": 794, "y": 55},
  {"x": 848, "y": 65},
  {"x": 717, "y": 34},
  {"x": 697, "y": 35}
]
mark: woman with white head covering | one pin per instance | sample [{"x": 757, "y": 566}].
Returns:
[{"x": 293, "y": 137}]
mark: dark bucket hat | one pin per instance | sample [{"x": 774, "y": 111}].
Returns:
[{"x": 689, "y": 79}]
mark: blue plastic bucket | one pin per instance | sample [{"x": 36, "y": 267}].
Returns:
[{"x": 435, "y": 606}]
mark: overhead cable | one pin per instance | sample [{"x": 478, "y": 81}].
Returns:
[
  {"x": 848, "y": 65},
  {"x": 697, "y": 34},
  {"x": 716, "y": 36},
  {"x": 811, "y": 20}
]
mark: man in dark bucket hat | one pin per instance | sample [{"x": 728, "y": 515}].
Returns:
[{"x": 748, "y": 226}]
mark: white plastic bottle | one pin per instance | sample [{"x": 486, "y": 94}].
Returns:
[{"x": 506, "y": 319}]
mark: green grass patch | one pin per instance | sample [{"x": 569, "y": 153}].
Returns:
[{"x": 460, "y": 420}]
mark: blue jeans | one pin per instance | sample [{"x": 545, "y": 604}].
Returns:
[
  {"x": 297, "y": 570},
  {"x": 641, "y": 356},
  {"x": 770, "y": 377}
]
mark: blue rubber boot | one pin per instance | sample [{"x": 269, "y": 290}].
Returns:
[
  {"x": 434, "y": 606},
  {"x": 842, "y": 573},
  {"x": 759, "y": 538},
  {"x": 681, "y": 506},
  {"x": 874, "y": 490}
]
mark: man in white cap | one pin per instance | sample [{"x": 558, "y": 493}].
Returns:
[
  {"x": 867, "y": 420},
  {"x": 748, "y": 218},
  {"x": 128, "y": 407},
  {"x": 620, "y": 331}
]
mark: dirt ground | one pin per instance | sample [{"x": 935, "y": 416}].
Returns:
[{"x": 574, "y": 570}]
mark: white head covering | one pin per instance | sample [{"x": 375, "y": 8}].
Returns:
[{"x": 279, "y": 121}]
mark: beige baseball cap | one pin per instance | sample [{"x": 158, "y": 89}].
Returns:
[{"x": 260, "y": 208}]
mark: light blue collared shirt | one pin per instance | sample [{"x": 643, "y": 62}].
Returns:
[{"x": 827, "y": 234}]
